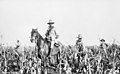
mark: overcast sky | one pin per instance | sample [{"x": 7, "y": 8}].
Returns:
[{"x": 91, "y": 18}]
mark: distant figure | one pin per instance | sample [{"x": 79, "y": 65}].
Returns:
[
  {"x": 51, "y": 34},
  {"x": 17, "y": 44},
  {"x": 79, "y": 43},
  {"x": 103, "y": 44}
]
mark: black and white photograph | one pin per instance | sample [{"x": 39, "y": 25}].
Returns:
[{"x": 59, "y": 36}]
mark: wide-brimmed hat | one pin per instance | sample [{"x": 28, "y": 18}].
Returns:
[
  {"x": 79, "y": 36},
  {"x": 102, "y": 40},
  {"x": 50, "y": 22}
]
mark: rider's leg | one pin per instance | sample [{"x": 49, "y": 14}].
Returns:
[
  {"x": 52, "y": 43},
  {"x": 49, "y": 47}
]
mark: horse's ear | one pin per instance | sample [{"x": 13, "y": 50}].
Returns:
[{"x": 32, "y": 29}]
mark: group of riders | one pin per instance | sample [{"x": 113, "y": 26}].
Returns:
[
  {"x": 76, "y": 59},
  {"x": 51, "y": 38}
]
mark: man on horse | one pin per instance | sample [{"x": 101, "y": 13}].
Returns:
[
  {"x": 79, "y": 43},
  {"x": 103, "y": 46},
  {"x": 51, "y": 34}
]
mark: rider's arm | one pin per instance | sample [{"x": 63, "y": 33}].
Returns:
[{"x": 56, "y": 35}]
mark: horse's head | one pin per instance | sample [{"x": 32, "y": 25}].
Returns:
[{"x": 34, "y": 35}]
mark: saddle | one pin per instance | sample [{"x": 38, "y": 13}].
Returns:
[
  {"x": 48, "y": 40},
  {"x": 56, "y": 45}
]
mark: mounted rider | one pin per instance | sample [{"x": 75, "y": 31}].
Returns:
[
  {"x": 79, "y": 43},
  {"x": 103, "y": 45},
  {"x": 51, "y": 34}
]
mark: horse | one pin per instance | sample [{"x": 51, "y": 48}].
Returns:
[{"x": 42, "y": 44}]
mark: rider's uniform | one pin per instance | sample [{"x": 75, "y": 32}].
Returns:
[
  {"x": 103, "y": 45},
  {"x": 51, "y": 34},
  {"x": 79, "y": 43}
]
